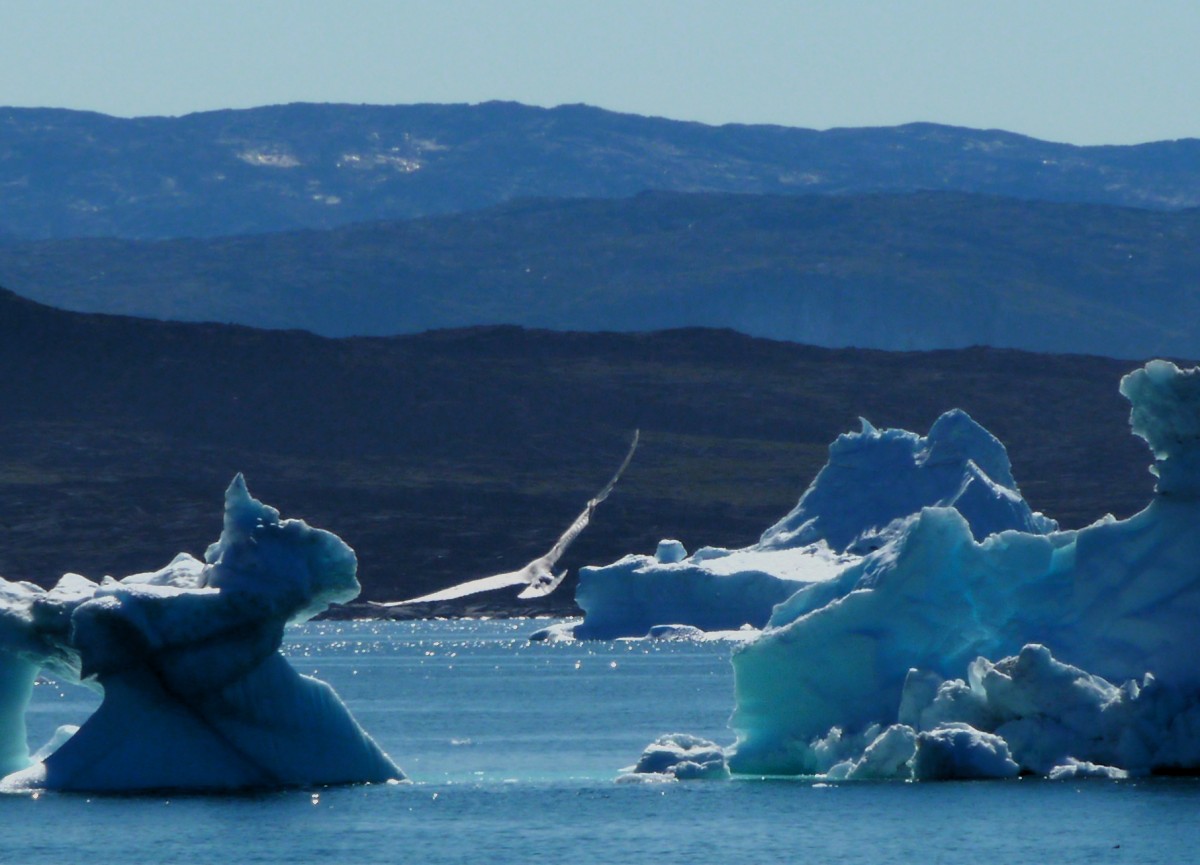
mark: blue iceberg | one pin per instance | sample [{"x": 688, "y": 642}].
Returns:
[
  {"x": 1092, "y": 632},
  {"x": 196, "y": 695},
  {"x": 864, "y": 498}
]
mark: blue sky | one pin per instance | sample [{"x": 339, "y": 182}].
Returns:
[{"x": 1082, "y": 71}]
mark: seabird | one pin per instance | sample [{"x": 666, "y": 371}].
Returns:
[{"x": 538, "y": 576}]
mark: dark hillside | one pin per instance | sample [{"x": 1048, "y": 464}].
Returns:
[
  {"x": 452, "y": 454},
  {"x": 897, "y": 272}
]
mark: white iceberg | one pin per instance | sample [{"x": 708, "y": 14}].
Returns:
[
  {"x": 1095, "y": 632},
  {"x": 196, "y": 693},
  {"x": 959, "y": 752},
  {"x": 863, "y": 498},
  {"x": 681, "y": 757}
]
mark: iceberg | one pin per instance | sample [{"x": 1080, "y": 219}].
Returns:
[
  {"x": 679, "y": 757},
  {"x": 196, "y": 695},
  {"x": 863, "y": 499},
  {"x": 1092, "y": 633},
  {"x": 959, "y": 752}
]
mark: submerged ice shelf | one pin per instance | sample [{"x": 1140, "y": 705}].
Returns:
[
  {"x": 956, "y": 645},
  {"x": 196, "y": 695}
]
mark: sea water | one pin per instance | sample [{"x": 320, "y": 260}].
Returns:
[{"x": 513, "y": 750}]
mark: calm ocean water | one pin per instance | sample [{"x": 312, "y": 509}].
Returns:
[{"x": 513, "y": 749}]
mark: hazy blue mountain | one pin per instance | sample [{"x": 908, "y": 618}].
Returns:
[
  {"x": 70, "y": 173},
  {"x": 913, "y": 271}
]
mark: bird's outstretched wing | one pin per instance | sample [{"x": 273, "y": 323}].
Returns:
[
  {"x": 543, "y": 579},
  {"x": 483, "y": 584},
  {"x": 538, "y": 575}
]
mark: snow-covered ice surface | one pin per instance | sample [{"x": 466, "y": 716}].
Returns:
[
  {"x": 680, "y": 757},
  {"x": 564, "y": 632},
  {"x": 862, "y": 499},
  {"x": 196, "y": 695},
  {"x": 875, "y": 480},
  {"x": 1068, "y": 654}
]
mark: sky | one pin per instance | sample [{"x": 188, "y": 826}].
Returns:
[{"x": 1078, "y": 71}]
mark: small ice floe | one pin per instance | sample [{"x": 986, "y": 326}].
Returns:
[{"x": 679, "y": 757}]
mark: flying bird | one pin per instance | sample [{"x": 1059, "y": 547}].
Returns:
[{"x": 538, "y": 576}]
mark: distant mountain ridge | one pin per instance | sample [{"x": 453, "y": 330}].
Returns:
[
  {"x": 70, "y": 173},
  {"x": 913, "y": 271}
]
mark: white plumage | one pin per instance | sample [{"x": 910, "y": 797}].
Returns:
[{"x": 538, "y": 576}]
